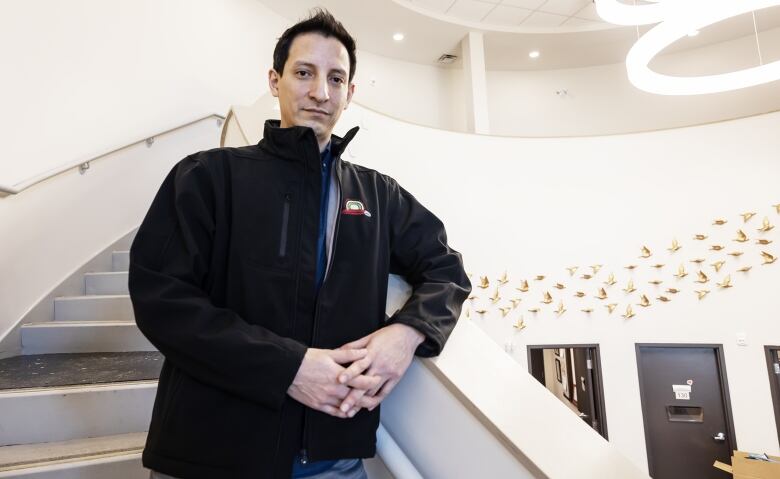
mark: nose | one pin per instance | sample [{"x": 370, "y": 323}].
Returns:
[{"x": 319, "y": 90}]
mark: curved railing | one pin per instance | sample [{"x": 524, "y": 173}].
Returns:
[{"x": 83, "y": 165}]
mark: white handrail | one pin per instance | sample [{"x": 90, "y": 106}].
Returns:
[
  {"x": 6, "y": 190},
  {"x": 394, "y": 458}
]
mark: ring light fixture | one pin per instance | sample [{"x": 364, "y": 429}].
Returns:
[{"x": 676, "y": 19}]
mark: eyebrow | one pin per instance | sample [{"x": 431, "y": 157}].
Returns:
[{"x": 314, "y": 67}]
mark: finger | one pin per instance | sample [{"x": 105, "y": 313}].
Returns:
[
  {"x": 368, "y": 402},
  {"x": 333, "y": 411},
  {"x": 352, "y": 399},
  {"x": 389, "y": 385},
  {"x": 366, "y": 382},
  {"x": 378, "y": 387},
  {"x": 353, "y": 411},
  {"x": 343, "y": 356},
  {"x": 357, "y": 344},
  {"x": 355, "y": 369}
]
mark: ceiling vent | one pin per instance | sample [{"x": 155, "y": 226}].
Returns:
[{"x": 446, "y": 59}]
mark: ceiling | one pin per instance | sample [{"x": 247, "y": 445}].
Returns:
[{"x": 575, "y": 38}]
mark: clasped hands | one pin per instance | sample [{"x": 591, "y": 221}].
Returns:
[{"x": 357, "y": 375}]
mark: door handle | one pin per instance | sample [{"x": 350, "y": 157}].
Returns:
[
  {"x": 583, "y": 415},
  {"x": 720, "y": 437}
]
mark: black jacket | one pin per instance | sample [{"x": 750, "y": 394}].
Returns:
[{"x": 222, "y": 275}]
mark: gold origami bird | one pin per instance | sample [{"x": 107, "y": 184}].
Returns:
[
  {"x": 631, "y": 266},
  {"x": 777, "y": 207},
  {"x": 744, "y": 269},
  {"x": 587, "y": 310},
  {"x": 468, "y": 313},
  {"x": 716, "y": 247},
  {"x": 472, "y": 297},
  {"x": 523, "y": 287},
  {"x": 768, "y": 258},
  {"x": 672, "y": 290},
  {"x": 602, "y": 294},
  {"x": 726, "y": 283},
  {"x": 572, "y": 270},
  {"x": 495, "y": 298},
  {"x": 701, "y": 293},
  {"x": 763, "y": 242},
  {"x": 547, "y": 298},
  {"x": 766, "y": 226},
  {"x": 719, "y": 222},
  {"x": 610, "y": 280},
  {"x": 596, "y": 268},
  {"x": 559, "y": 286},
  {"x": 481, "y": 311},
  {"x": 515, "y": 302},
  {"x": 520, "y": 324},
  {"x": 700, "y": 237},
  {"x": 655, "y": 282},
  {"x": 610, "y": 307},
  {"x": 504, "y": 311},
  {"x": 643, "y": 301},
  {"x": 663, "y": 299},
  {"x": 586, "y": 276},
  {"x": 629, "y": 313},
  {"x": 675, "y": 246},
  {"x": 658, "y": 266},
  {"x": 702, "y": 277},
  {"x": 698, "y": 260},
  {"x": 484, "y": 282},
  {"x": 645, "y": 252},
  {"x": 539, "y": 277},
  {"x": 741, "y": 237},
  {"x": 746, "y": 216},
  {"x": 560, "y": 309},
  {"x": 629, "y": 287},
  {"x": 533, "y": 310},
  {"x": 718, "y": 265},
  {"x": 579, "y": 294},
  {"x": 736, "y": 254},
  {"x": 503, "y": 279},
  {"x": 681, "y": 273}
]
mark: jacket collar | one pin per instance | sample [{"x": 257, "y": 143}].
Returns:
[{"x": 297, "y": 142}]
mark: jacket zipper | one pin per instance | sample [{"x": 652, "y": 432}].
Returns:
[
  {"x": 285, "y": 225},
  {"x": 304, "y": 451}
]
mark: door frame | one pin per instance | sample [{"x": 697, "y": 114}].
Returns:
[
  {"x": 597, "y": 377},
  {"x": 773, "y": 387},
  {"x": 724, "y": 392}
]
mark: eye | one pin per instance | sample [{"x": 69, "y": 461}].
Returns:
[
  {"x": 338, "y": 80},
  {"x": 302, "y": 73}
]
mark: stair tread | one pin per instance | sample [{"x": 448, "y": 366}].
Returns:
[
  {"x": 56, "y": 324},
  {"x": 29, "y": 455},
  {"x": 92, "y": 296},
  {"x": 66, "y": 369}
]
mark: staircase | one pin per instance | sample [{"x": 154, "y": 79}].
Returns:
[{"x": 77, "y": 402}]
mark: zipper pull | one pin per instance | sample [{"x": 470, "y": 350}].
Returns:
[{"x": 304, "y": 457}]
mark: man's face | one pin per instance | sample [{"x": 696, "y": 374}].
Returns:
[{"x": 314, "y": 88}]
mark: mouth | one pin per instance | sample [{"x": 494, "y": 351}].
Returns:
[{"x": 316, "y": 111}]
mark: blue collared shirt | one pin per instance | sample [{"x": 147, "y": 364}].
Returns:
[{"x": 326, "y": 160}]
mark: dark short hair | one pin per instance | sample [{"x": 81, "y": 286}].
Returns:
[{"x": 319, "y": 21}]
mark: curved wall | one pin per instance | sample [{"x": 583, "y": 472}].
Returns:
[{"x": 536, "y": 206}]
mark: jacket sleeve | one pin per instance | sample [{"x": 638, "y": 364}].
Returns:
[
  {"x": 419, "y": 252},
  {"x": 169, "y": 271}
]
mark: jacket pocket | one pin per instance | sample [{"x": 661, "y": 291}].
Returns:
[{"x": 285, "y": 225}]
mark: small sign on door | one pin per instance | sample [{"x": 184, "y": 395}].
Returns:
[{"x": 682, "y": 391}]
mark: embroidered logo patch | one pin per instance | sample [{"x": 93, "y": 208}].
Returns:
[{"x": 355, "y": 208}]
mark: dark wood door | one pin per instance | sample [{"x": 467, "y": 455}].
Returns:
[
  {"x": 686, "y": 411},
  {"x": 583, "y": 379},
  {"x": 773, "y": 361}
]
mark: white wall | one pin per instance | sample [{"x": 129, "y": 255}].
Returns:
[
  {"x": 537, "y": 206},
  {"x": 602, "y": 101}
]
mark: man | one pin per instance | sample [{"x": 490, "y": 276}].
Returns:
[{"x": 261, "y": 275}]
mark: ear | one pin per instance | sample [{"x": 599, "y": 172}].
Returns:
[
  {"x": 350, "y": 92},
  {"x": 273, "y": 82}
]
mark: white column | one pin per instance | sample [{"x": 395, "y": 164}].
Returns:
[{"x": 473, "y": 50}]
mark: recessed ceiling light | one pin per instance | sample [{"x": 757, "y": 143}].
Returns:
[
  {"x": 693, "y": 33},
  {"x": 534, "y": 54},
  {"x": 398, "y": 37}
]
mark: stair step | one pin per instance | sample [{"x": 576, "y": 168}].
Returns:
[
  {"x": 115, "y": 307},
  {"x": 120, "y": 260},
  {"x": 114, "y": 282},
  {"x": 114, "y": 466},
  {"x": 75, "y": 412},
  {"x": 53, "y": 370},
  {"x": 26, "y": 456},
  {"x": 82, "y": 337}
]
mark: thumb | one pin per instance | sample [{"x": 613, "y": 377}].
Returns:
[
  {"x": 343, "y": 356},
  {"x": 357, "y": 344}
]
